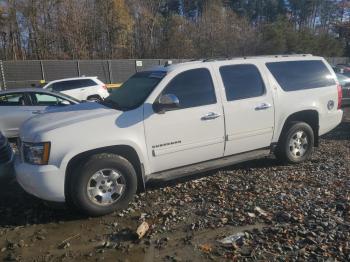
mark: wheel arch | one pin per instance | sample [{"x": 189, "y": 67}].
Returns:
[
  {"x": 310, "y": 116},
  {"x": 97, "y": 96},
  {"x": 125, "y": 151}
]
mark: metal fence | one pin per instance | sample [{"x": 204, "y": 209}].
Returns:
[{"x": 17, "y": 74}]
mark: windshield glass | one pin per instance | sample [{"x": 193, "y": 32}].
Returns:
[{"x": 135, "y": 90}]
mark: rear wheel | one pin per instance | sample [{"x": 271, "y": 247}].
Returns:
[
  {"x": 94, "y": 98},
  {"x": 106, "y": 183},
  {"x": 296, "y": 143}
]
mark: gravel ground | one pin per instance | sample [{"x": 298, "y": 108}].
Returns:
[{"x": 267, "y": 211}]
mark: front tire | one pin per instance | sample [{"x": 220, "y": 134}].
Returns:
[
  {"x": 296, "y": 143},
  {"x": 104, "y": 184}
]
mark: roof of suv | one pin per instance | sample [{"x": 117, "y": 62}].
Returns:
[{"x": 270, "y": 58}]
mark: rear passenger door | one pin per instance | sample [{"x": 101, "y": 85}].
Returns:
[{"x": 248, "y": 107}]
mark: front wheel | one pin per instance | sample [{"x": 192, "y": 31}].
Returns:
[
  {"x": 104, "y": 184},
  {"x": 296, "y": 143}
]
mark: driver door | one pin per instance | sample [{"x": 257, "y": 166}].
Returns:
[{"x": 192, "y": 133}]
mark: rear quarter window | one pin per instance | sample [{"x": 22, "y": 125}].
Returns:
[{"x": 299, "y": 75}]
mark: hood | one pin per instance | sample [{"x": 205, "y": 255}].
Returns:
[{"x": 65, "y": 116}]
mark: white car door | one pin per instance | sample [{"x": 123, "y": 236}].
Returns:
[
  {"x": 248, "y": 107},
  {"x": 15, "y": 108},
  {"x": 192, "y": 133}
]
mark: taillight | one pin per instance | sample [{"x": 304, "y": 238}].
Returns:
[
  {"x": 340, "y": 95},
  {"x": 104, "y": 87}
]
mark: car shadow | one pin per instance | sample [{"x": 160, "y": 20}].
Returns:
[
  {"x": 258, "y": 163},
  {"x": 17, "y": 208},
  {"x": 342, "y": 132}
]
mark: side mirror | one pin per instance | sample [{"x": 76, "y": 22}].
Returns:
[
  {"x": 64, "y": 103},
  {"x": 165, "y": 103}
]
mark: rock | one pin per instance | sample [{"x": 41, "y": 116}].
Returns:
[
  {"x": 245, "y": 250},
  {"x": 206, "y": 248},
  {"x": 252, "y": 215},
  {"x": 64, "y": 245},
  {"x": 224, "y": 220},
  {"x": 261, "y": 211},
  {"x": 142, "y": 229},
  {"x": 282, "y": 217},
  {"x": 21, "y": 243},
  {"x": 230, "y": 240},
  {"x": 40, "y": 237}
]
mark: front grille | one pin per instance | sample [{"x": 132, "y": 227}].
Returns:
[{"x": 5, "y": 154}]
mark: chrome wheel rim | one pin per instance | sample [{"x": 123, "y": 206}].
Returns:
[
  {"x": 298, "y": 144},
  {"x": 106, "y": 187}
]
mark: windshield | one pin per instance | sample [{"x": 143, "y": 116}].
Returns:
[{"x": 135, "y": 90}]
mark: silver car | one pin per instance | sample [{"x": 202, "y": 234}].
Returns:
[{"x": 18, "y": 105}]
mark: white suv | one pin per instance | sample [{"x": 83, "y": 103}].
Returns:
[
  {"x": 82, "y": 88},
  {"x": 177, "y": 120}
]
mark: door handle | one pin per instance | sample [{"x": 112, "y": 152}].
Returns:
[
  {"x": 36, "y": 112},
  {"x": 263, "y": 106},
  {"x": 210, "y": 116}
]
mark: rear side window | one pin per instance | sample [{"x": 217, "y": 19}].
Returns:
[
  {"x": 72, "y": 84},
  {"x": 299, "y": 75},
  {"x": 193, "y": 88},
  {"x": 242, "y": 81}
]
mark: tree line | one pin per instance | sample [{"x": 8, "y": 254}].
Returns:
[{"x": 110, "y": 29}]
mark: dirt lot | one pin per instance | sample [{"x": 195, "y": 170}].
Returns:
[{"x": 273, "y": 212}]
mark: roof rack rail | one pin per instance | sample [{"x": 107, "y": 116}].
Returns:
[{"x": 252, "y": 57}]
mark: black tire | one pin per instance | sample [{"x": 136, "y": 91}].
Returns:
[
  {"x": 94, "y": 98},
  {"x": 284, "y": 150},
  {"x": 79, "y": 181}
]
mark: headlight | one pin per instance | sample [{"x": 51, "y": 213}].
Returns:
[{"x": 36, "y": 153}]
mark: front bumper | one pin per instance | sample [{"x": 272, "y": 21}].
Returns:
[{"x": 44, "y": 182}]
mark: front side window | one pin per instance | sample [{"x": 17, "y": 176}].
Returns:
[
  {"x": 299, "y": 75},
  {"x": 14, "y": 99},
  {"x": 193, "y": 88},
  {"x": 242, "y": 82},
  {"x": 40, "y": 99}
]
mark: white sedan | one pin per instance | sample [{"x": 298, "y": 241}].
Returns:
[{"x": 18, "y": 105}]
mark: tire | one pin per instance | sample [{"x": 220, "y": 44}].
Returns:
[
  {"x": 94, "y": 98},
  {"x": 104, "y": 177},
  {"x": 296, "y": 143}
]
